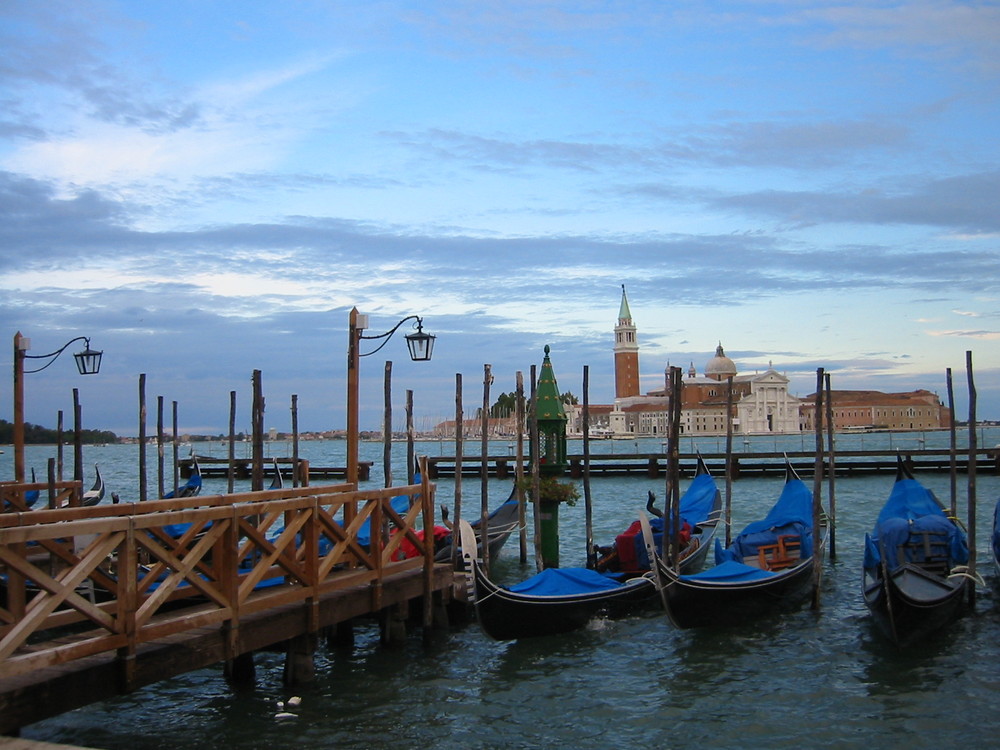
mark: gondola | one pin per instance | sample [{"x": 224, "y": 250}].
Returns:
[
  {"x": 500, "y": 524},
  {"x": 767, "y": 567},
  {"x": 277, "y": 481},
  {"x": 30, "y": 498},
  {"x": 96, "y": 493},
  {"x": 914, "y": 580},
  {"x": 193, "y": 485},
  {"x": 557, "y": 600},
  {"x": 700, "y": 510}
]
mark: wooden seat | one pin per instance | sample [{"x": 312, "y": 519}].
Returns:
[
  {"x": 927, "y": 550},
  {"x": 785, "y": 553}
]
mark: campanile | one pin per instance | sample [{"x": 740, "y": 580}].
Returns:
[{"x": 626, "y": 353}]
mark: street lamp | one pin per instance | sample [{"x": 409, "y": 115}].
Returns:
[
  {"x": 420, "y": 345},
  {"x": 88, "y": 362}
]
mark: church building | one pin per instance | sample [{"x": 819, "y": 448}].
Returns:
[{"x": 761, "y": 402}]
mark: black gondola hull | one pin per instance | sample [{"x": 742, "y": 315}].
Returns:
[
  {"x": 910, "y": 604},
  {"x": 695, "y": 604},
  {"x": 505, "y": 615}
]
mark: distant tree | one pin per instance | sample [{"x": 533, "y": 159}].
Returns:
[
  {"x": 504, "y": 405},
  {"x": 36, "y": 435},
  {"x": 569, "y": 398}
]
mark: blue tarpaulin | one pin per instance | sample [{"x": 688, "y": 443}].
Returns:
[
  {"x": 791, "y": 514},
  {"x": 564, "y": 581},
  {"x": 910, "y": 510},
  {"x": 729, "y": 572}
]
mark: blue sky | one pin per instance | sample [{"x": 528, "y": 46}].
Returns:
[{"x": 207, "y": 188}]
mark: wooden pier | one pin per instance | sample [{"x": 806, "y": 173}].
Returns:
[
  {"x": 653, "y": 465},
  {"x": 100, "y": 601},
  {"x": 242, "y": 469}
]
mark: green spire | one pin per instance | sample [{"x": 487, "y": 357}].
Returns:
[
  {"x": 624, "y": 313},
  {"x": 550, "y": 405}
]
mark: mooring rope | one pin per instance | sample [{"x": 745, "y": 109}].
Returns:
[{"x": 962, "y": 571}]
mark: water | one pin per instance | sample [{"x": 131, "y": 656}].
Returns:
[{"x": 813, "y": 679}]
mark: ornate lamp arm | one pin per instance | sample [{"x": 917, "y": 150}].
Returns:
[{"x": 388, "y": 334}]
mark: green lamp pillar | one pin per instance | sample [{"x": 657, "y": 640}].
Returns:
[{"x": 551, "y": 455}]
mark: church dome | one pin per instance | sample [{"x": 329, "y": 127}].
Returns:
[{"x": 720, "y": 366}]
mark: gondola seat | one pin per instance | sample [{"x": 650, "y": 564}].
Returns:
[{"x": 785, "y": 553}]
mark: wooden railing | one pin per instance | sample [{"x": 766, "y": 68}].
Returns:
[
  {"x": 85, "y": 581},
  {"x": 13, "y": 497}
]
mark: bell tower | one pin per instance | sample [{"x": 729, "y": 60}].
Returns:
[{"x": 626, "y": 353}]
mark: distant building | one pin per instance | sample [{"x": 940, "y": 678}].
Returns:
[
  {"x": 861, "y": 410},
  {"x": 761, "y": 402}
]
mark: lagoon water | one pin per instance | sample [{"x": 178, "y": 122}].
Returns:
[{"x": 807, "y": 679}]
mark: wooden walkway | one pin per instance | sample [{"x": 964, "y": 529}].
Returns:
[
  {"x": 100, "y": 601},
  {"x": 653, "y": 465},
  {"x": 242, "y": 469}
]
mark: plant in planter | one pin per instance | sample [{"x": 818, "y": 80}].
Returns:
[{"x": 551, "y": 491}]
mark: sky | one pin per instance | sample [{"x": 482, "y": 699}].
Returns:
[{"x": 207, "y": 188}]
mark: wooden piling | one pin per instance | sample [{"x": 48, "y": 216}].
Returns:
[
  {"x": 241, "y": 669},
  {"x": 536, "y": 476},
  {"x": 295, "y": 440},
  {"x": 519, "y": 468},
  {"x": 231, "y": 474},
  {"x": 175, "y": 475},
  {"x": 142, "y": 437},
  {"x": 972, "y": 477},
  {"x": 257, "y": 422},
  {"x": 459, "y": 450},
  {"x": 77, "y": 437},
  {"x": 587, "y": 501},
  {"x": 484, "y": 506},
  {"x": 160, "y": 477},
  {"x": 952, "y": 451},
  {"x": 817, "y": 490},
  {"x": 731, "y": 470},
  {"x": 831, "y": 478},
  {"x": 300, "y": 666},
  {"x": 387, "y": 426}
]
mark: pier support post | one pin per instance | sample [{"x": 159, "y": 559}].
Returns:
[
  {"x": 440, "y": 612},
  {"x": 341, "y": 635},
  {"x": 299, "y": 664},
  {"x": 241, "y": 669},
  {"x": 392, "y": 624}
]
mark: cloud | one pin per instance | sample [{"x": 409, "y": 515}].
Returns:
[
  {"x": 967, "y": 334},
  {"x": 961, "y": 202}
]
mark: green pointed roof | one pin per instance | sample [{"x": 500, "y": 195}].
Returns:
[
  {"x": 623, "y": 312},
  {"x": 550, "y": 405}
]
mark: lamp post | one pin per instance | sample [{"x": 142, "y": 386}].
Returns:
[
  {"x": 420, "y": 345},
  {"x": 88, "y": 362}
]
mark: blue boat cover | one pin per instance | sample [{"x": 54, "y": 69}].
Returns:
[
  {"x": 911, "y": 509},
  {"x": 730, "y": 572},
  {"x": 565, "y": 581},
  {"x": 791, "y": 514},
  {"x": 188, "y": 489}
]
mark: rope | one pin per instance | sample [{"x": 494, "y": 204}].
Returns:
[{"x": 962, "y": 571}]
